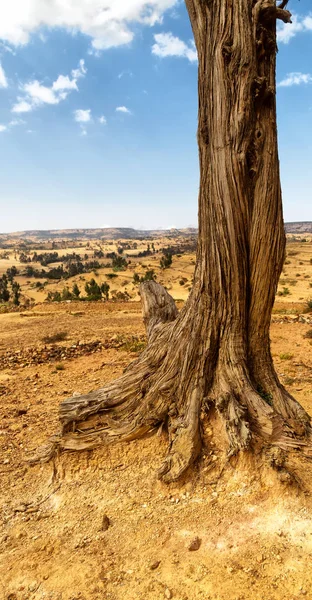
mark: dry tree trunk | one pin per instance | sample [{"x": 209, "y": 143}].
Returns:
[{"x": 216, "y": 351}]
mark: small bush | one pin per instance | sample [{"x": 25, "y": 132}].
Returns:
[
  {"x": 285, "y": 292},
  {"x": 57, "y": 337},
  {"x": 309, "y": 305},
  {"x": 286, "y": 356},
  {"x": 59, "y": 367},
  {"x": 308, "y": 334}
]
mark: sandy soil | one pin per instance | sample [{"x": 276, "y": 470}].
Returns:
[{"x": 99, "y": 525}]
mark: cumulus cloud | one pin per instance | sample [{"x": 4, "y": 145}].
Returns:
[
  {"x": 3, "y": 79},
  {"x": 167, "y": 44},
  {"x": 82, "y": 116},
  {"x": 22, "y": 106},
  {"x": 3, "y": 128},
  {"x": 295, "y": 79},
  {"x": 123, "y": 109},
  {"x": 36, "y": 94},
  {"x": 287, "y": 31},
  {"x": 102, "y": 120},
  {"x": 108, "y": 23}
]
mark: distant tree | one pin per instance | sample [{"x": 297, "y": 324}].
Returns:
[
  {"x": 76, "y": 291},
  {"x": 66, "y": 294},
  {"x": 4, "y": 291},
  {"x": 16, "y": 291},
  {"x": 119, "y": 263},
  {"x": 105, "y": 290},
  {"x": 150, "y": 275},
  {"x": 93, "y": 290},
  {"x": 11, "y": 273},
  {"x": 54, "y": 297},
  {"x": 166, "y": 260},
  {"x": 136, "y": 278}
]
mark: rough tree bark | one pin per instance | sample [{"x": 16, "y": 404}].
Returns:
[{"x": 216, "y": 351}]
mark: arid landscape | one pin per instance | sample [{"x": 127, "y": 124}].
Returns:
[{"x": 99, "y": 524}]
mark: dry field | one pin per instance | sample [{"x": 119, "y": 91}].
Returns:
[{"x": 99, "y": 525}]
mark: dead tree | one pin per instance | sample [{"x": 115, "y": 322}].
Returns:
[{"x": 216, "y": 351}]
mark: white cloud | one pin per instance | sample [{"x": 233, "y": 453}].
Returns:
[
  {"x": 295, "y": 79},
  {"x": 3, "y": 128},
  {"x": 102, "y": 120},
  {"x": 123, "y": 73},
  {"x": 22, "y": 106},
  {"x": 16, "y": 122},
  {"x": 108, "y": 23},
  {"x": 40, "y": 94},
  {"x": 64, "y": 83},
  {"x": 81, "y": 71},
  {"x": 307, "y": 22},
  {"x": 82, "y": 116},
  {"x": 287, "y": 31},
  {"x": 123, "y": 109},
  {"x": 3, "y": 79},
  {"x": 37, "y": 94},
  {"x": 169, "y": 45}
]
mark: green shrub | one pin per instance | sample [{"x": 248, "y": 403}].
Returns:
[{"x": 285, "y": 292}]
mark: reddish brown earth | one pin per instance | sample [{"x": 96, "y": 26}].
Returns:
[{"x": 240, "y": 534}]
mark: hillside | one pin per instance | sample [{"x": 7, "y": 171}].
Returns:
[{"x": 125, "y": 233}]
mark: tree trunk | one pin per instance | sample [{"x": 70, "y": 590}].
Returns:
[{"x": 216, "y": 352}]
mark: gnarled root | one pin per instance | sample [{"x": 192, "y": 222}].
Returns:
[{"x": 168, "y": 384}]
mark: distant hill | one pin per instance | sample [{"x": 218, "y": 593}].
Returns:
[
  {"x": 299, "y": 227},
  {"x": 126, "y": 233},
  {"x": 111, "y": 233}
]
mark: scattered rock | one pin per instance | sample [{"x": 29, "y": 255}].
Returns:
[
  {"x": 20, "y": 411},
  {"x": 155, "y": 565},
  {"x": 195, "y": 544},
  {"x": 168, "y": 593},
  {"x": 105, "y": 523}
]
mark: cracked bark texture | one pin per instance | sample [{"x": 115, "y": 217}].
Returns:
[{"x": 216, "y": 351}]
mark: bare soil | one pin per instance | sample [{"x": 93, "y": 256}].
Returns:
[{"x": 99, "y": 525}]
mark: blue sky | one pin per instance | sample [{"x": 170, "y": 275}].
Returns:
[{"x": 98, "y": 114}]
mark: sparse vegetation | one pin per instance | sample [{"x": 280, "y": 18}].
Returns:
[
  {"x": 56, "y": 337},
  {"x": 286, "y": 356}
]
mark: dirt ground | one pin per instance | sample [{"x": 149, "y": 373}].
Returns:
[{"x": 99, "y": 525}]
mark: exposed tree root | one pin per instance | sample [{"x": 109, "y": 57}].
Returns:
[{"x": 168, "y": 387}]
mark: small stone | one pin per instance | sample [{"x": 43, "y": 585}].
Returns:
[
  {"x": 155, "y": 565},
  {"x": 168, "y": 593},
  {"x": 105, "y": 523},
  {"x": 260, "y": 558},
  {"x": 195, "y": 544}
]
